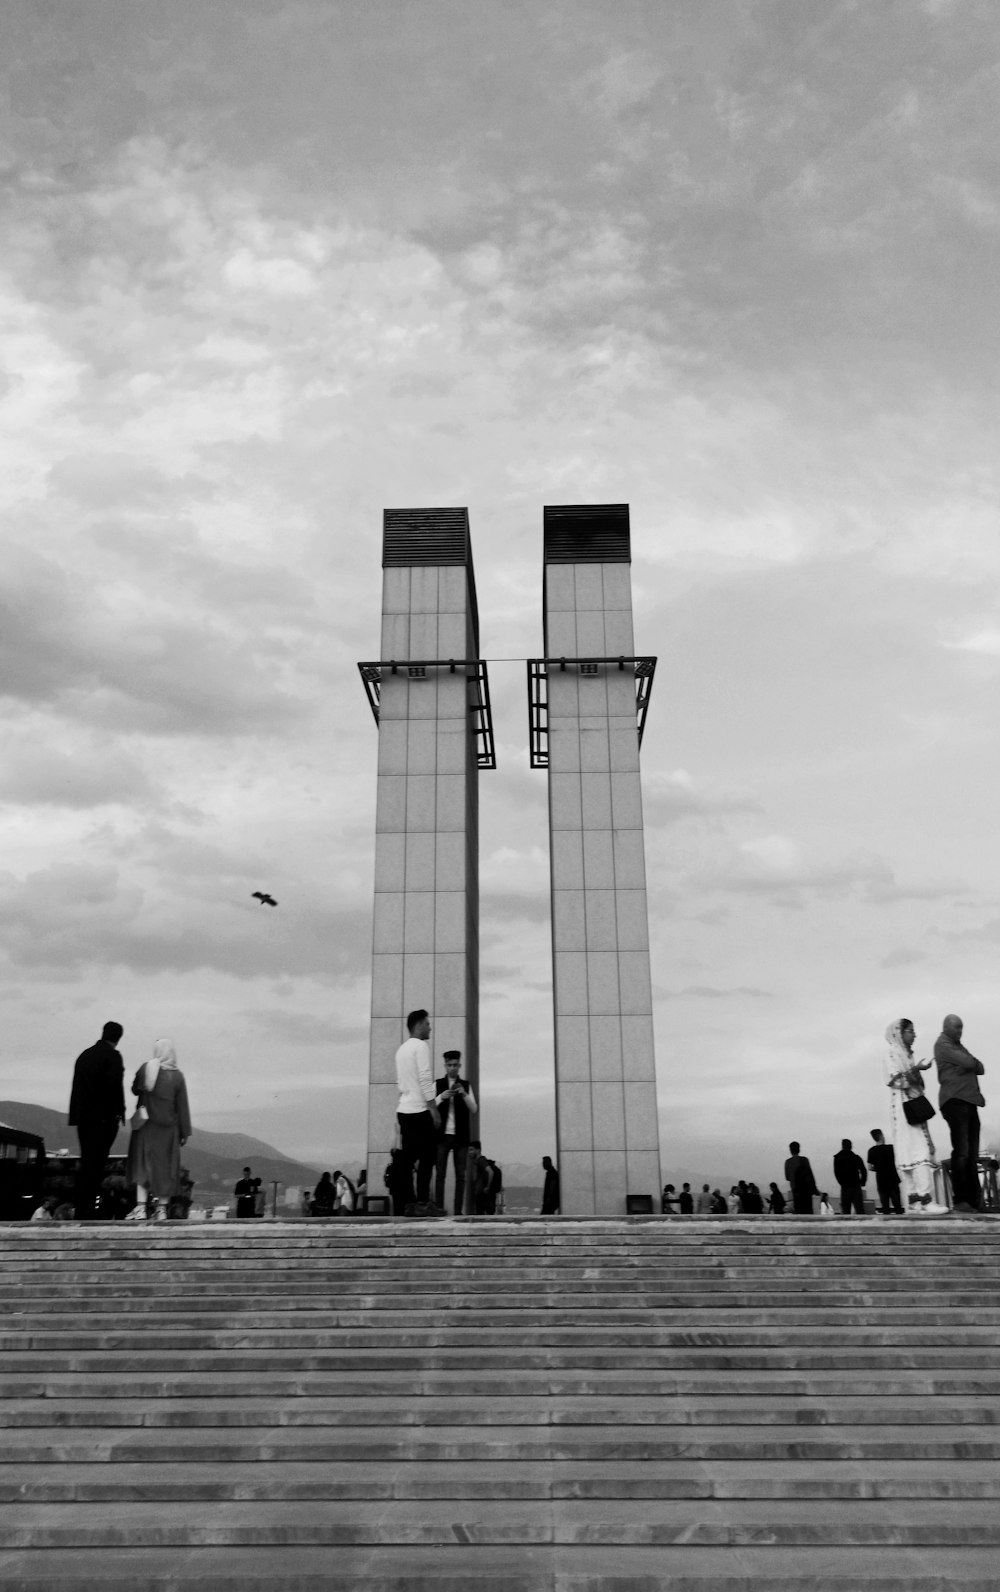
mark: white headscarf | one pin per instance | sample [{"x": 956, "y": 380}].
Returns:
[
  {"x": 164, "y": 1055},
  {"x": 897, "y": 1057}
]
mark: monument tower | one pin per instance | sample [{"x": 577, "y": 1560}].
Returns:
[
  {"x": 588, "y": 698},
  {"x": 429, "y": 692}
]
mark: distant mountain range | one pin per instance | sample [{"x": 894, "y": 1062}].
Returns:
[{"x": 214, "y": 1160}]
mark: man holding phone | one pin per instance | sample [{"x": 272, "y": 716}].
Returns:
[{"x": 456, "y": 1102}]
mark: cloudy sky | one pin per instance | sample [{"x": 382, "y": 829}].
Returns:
[{"x": 270, "y": 266}]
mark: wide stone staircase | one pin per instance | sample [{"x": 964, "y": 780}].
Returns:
[{"x": 693, "y": 1404}]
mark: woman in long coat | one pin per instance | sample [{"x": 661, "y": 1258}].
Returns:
[{"x": 154, "y": 1152}]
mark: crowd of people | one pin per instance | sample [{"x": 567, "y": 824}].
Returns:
[
  {"x": 435, "y": 1118},
  {"x": 906, "y": 1168}
]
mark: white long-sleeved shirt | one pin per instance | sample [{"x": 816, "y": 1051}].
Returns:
[{"x": 414, "y": 1076}]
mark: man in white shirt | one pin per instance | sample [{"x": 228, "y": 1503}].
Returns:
[
  {"x": 416, "y": 1113},
  {"x": 455, "y": 1101}
]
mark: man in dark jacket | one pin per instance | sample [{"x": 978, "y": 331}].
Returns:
[
  {"x": 852, "y": 1175},
  {"x": 456, "y": 1102},
  {"x": 882, "y": 1160},
  {"x": 800, "y": 1180},
  {"x": 960, "y": 1098},
  {"x": 96, "y": 1110}
]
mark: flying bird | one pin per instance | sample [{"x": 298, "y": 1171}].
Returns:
[{"x": 265, "y": 900}]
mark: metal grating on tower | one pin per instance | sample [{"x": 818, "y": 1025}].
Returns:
[
  {"x": 587, "y": 533},
  {"x": 426, "y": 536},
  {"x": 413, "y": 537}
]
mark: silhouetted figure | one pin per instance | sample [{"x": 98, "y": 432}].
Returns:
[
  {"x": 324, "y": 1195},
  {"x": 398, "y": 1181},
  {"x": 882, "y": 1160},
  {"x": 852, "y": 1175},
  {"x": 96, "y": 1110},
  {"x": 800, "y": 1178},
  {"x": 685, "y": 1201},
  {"x": 246, "y": 1194},
  {"x": 776, "y": 1201},
  {"x": 550, "y": 1189}
]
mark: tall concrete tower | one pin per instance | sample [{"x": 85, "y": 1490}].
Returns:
[
  {"x": 588, "y": 699},
  {"x": 430, "y": 695}
]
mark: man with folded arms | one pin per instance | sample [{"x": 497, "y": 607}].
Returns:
[{"x": 959, "y": 1099}]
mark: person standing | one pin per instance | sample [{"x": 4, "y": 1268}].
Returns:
[
  {"x": 685, "y": 1201},
  {"x": 799, "y": 1175},
  {"x": 246, "y": 1194},
  {"x": 704, "y": 1202},
  {"x": 550, "y": 1191},
  {"x": 96, "y": 1111},
  {"x": 916, "y": 1157},
  {"x": 154, "y": 1151},
  {"x": 852, "y": 1175},
  {"x": 776, "y": 1201},
  {"x": 456, "y": 1102},
  {"x": 399, "y": 1182},
  {"x": 960, "y": 1098},
  {"x": 416, "y": 1113},
  {"x": 344, "y": 1194},
  {"x": 882, "y": 1160}
]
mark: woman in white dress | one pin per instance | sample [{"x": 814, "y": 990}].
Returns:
[{"x": 916, "y": 1159}]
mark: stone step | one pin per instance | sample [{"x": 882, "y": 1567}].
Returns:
[
  {"x": 115, "y": 1482},
  {"x": 513, "y": 1359},
  {"x": 496, "y": 1410},
  {"x": 391, "y": 1444},
  {"x": 617, "y": 1405},
  {"x": 568, "y": 1522},
  {"x": 191, "y": 1320},
  {"x": 468, "y": 1381},
  {"x": 830, "y": 1331},
  {"x": 53, "y": 1298},
  {"x": 282, "y": 1568}
]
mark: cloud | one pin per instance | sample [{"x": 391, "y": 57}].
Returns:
[
  {"x": 78, "y": 776},
  {"x": 669, "y": 798},
  {"x": 709, "y": 992},
  {"x": 71, "y": 920},
  {"x": 903, "y": 956},
  {"x": 984, "y": 642}
]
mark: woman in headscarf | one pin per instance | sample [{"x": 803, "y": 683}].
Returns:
[
  {"x": 154, "y": 1152},
  {"x": 916, "y": 1159}
]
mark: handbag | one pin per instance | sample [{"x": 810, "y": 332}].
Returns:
[
  {"x": 918, "y": 1110},
  {"x": 139, "y": 1118}
]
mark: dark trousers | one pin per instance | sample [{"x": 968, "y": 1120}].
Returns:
[
  {"x": 851, "y": 1199},
  {"x": 802, "y": 1204},
  {"x": 96, "y": 1138},
  {"x": 888, "y": 1194},
  {"x": 446, "y": 1146},
  {"x": 963, "y": 1122},
  {"x": 418, "y": 1148}
]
